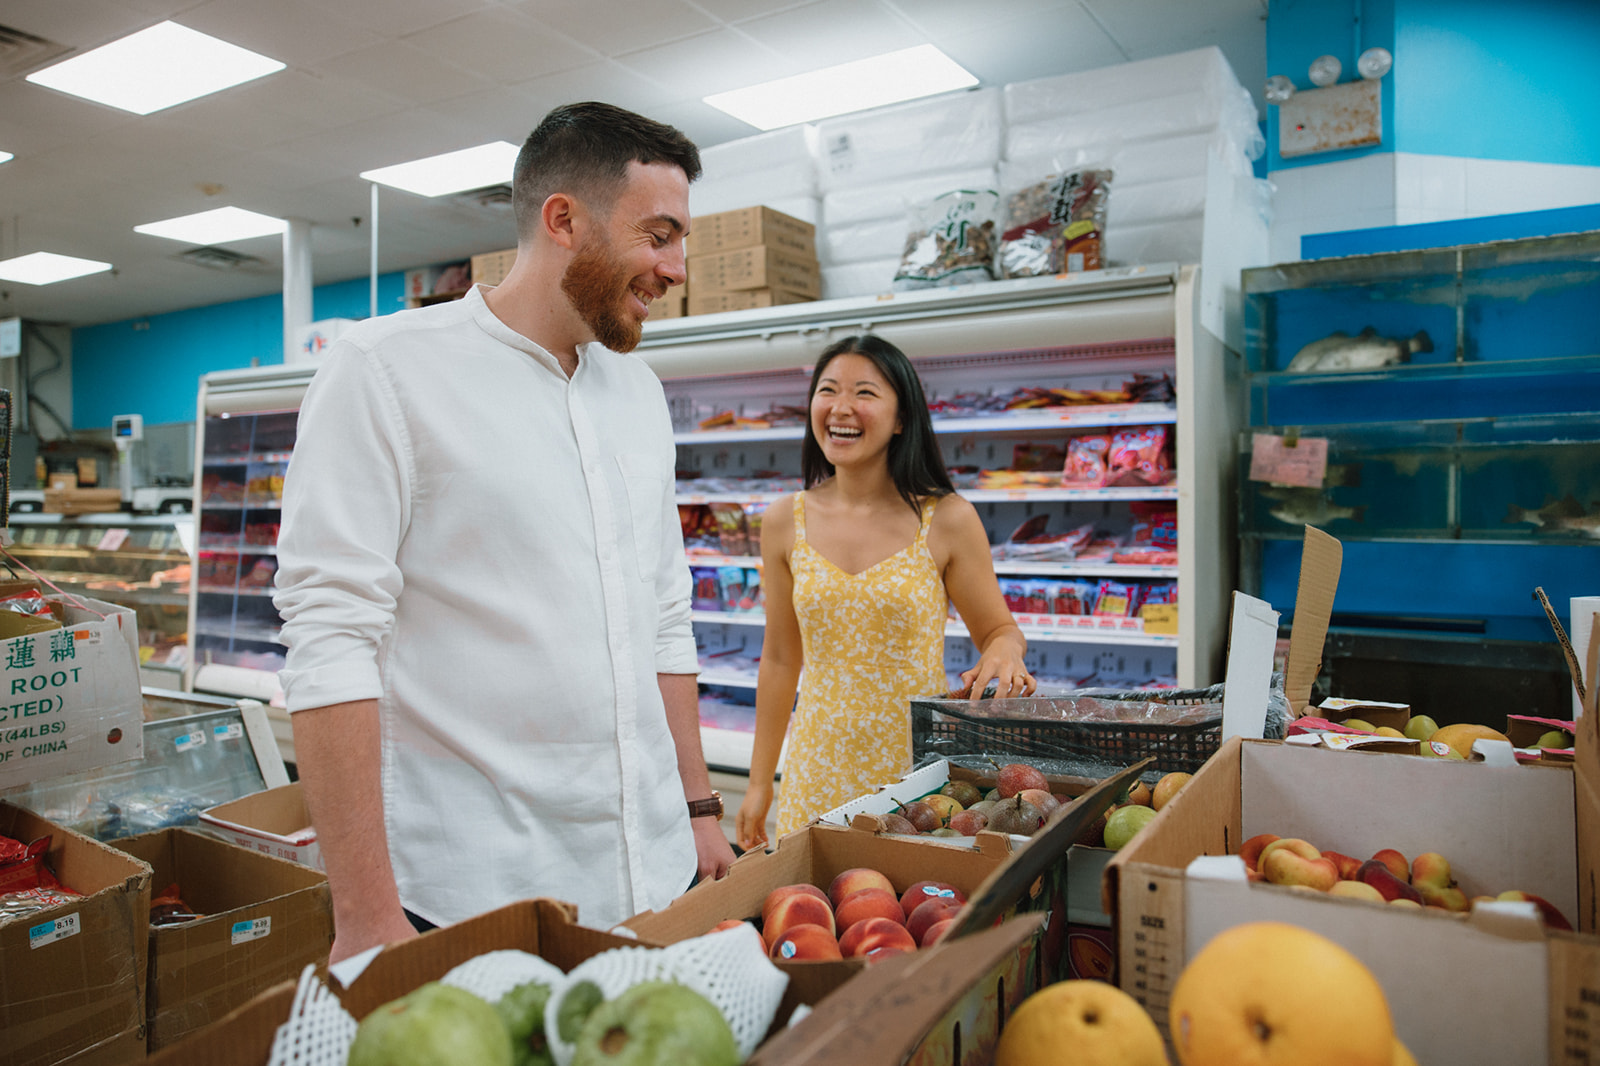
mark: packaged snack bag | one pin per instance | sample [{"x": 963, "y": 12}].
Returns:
[
  {"x": 731, "y": 536},
  {"x": 1115, "y": 599},
  {"x": 1086, "y": 461},
  {"x": 951, "y": 242},
  {"x": 1056, "y": 226},
  {"x": 1138, "y": 456}
]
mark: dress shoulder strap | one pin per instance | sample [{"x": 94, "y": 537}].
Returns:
[{"x": 928, "y": 506}]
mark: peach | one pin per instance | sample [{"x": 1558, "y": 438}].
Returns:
[
  {"x": 727, "y": 923},
  {"x": 1450, "y": 899},
  {"x": 1347, "y": 865},
  {"x": 1552, "y": 916},
  {"x": 1396, "y": 863},
  {"x": 788, "y": 890},
  {"x": 796, "y": 909},
  {"x": 924, "y": 890},
  {"x": 1285, "y": 867},
  {"x": 806, "y": 942},
  {"x": 1250, "y": 850},
  {"x": 867, "y": 903},
  {"x": 1431, "y": 869},
  {"x": 1402, "y": 902},
  {"x": 1356, "y": 890},
  {"x": 873, "y": 934},
  {"x": 1167, "y": 787},
  {"x": 854, "y": 880},
  {"x": 936, "y": 932},
  {"x": 1302, "y": 848},
  {"x": 1380, "y": 877},
  {"x": 928, "y": 913}
]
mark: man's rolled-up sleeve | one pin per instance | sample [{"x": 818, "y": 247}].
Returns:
[{"x": 346, "y": 505}]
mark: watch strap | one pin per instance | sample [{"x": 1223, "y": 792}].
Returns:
[{"x": 710, "y": 807}]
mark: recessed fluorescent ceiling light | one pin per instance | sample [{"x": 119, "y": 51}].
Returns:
[
  {"x": 155, "y": 68},
  {"x": 437, "y": 175},
  {"x": 214, "y": 227},
  {"x": 5, "y": 156},
  {"x": 855, "y": 86},
  {"x": 47, "y": 268}
]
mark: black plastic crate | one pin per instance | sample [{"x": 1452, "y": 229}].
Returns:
[{"x": 940, "y": 730}]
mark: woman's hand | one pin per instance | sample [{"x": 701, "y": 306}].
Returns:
[
  {"x": 751, "y": 826},
  {"x": 1002, "y": 665}
]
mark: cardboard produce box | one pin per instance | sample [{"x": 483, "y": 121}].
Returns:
[
  {"x": 72, "y": 977},
  {"x": 82, "y": 501},
  {"x": 542, "y": 927},
  {"x": 1493, "y": 987},
  {"x": 748, "y": 227},
  {"x": 262, "y": 921},
  {"x": 711, "y": 303},
  {"x": 273, "y": 822},
  {"x": 759, "y": 267},
  {"x": 675, "y": 304},
  {"x": 72, "y": 693}
]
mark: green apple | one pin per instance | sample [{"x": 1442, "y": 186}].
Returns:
[
  {"x": 1359, "y": 723},
  {"x": 1420, "y": 727},
  {"x": 1125, "y": 822},
  {"x": 1556, "y": 738}
]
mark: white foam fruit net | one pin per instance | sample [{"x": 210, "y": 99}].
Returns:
[{"x": 730, "y": 968}]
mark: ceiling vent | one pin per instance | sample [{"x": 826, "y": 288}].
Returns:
[
  {"x": 220, "y": 259},
  {"x": 496, "y": 198},
  {"x": 22, "y": 52}
]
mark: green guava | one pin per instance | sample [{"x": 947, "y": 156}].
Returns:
[
  {"x": 576, "y": 1006},
  {"x": 522, "y": 1009},
  {"x": 656, "y": 1023},
  {"x": 435, "y": 1025}
]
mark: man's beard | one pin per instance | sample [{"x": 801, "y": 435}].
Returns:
[{"x": 598, "y": 289}]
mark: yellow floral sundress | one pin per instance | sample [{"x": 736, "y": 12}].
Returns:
[{"x": 871, "y": 641}]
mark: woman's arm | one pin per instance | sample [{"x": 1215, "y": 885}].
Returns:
[
  {"x": 781, "y": 657},
  {"x": 958, "y": 542}
]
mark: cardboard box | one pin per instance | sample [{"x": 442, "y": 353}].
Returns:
[
  {"x": 760, "y": 267},
  {"x": 81, "y": 501},
  {"x": 675, "y": 304},
  {"x": 72, "y": 694},
  {"x": 542, "y": 927},
  {"x": 274, "y": 822},
  {"x": 1493, "y": 987},
  {"x": 88, "y": 471},
  {"x": 711, "y": 303},
  {"x": 943, "y": 1006},
  {"x": 62, "y": 479},
  {"x": 748, "y": 227},
  {"x": 72, "y": 978},
  {"x": 491, "y": 268},
  {"x": 264, "y": 920}
]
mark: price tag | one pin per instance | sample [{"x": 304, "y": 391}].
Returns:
[
  {"x": 71, "y": 538},
  {"x": 1304, "y": 464},
  {"x": 251, "y": 929},
  {"x": 231, "y": 731},
  {"x": 190, "y": 741},
  {"x": 1160, "y": 618},
  {"x": 112, "y": 540},
  {"x": 51, "y": 536},
  {"x": 49, "y": 932}
]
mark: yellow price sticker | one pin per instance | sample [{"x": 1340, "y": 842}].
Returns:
[
  {"x": 1160, "y": 618},
  {"x": 1081, "y": 228}
]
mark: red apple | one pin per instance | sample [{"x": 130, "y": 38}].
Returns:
[
  {"x": 867, "y": 903},
  {"x": 1396, "y": 862},
  {"x": 1250, "y": 850},
  {"x": 1348, "y": 865},
  {"x": 924, "y": 890},
  {"x": 936, "y": 932},
  {"x": 796, "y": 909},
  {"x": 854, "y": 880},
  {"x": 929, "y": 913},
  {"x": 872, "y": 934},
  {"x": 1552, "y": 916},
  {"x": 788, "y": 890},
  {"x": 806, "y": 942}
]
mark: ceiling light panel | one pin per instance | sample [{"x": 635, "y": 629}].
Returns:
[
  {"x": 47, "y": 268},
  {"x": 440, "y": 175},
  {"x": 219, "y": 226},
  {"x": 865, "y": 83},
  {"x": 4, "y": 156},
  {"x": 155, "y": 68}
]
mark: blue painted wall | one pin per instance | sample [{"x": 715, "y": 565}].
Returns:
[
  {"x": 152, "y": 366},
  {"x": 1480, "y": 79}
]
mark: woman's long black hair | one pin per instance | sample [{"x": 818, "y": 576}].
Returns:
[{"x": 915, "y": 465}]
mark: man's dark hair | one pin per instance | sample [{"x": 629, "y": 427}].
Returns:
[{"x": 584, "y": 150}]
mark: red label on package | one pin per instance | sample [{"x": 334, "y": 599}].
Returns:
[{"x": 1305, "y": 463}]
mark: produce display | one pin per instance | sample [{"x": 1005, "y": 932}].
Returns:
[{"x": 859, "y": 916}]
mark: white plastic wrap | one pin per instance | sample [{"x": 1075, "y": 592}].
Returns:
[
  {"x": 859, "y": 279},
  {"x": 893, "y": 199},
  {"x": 950, "y": 132},
  {"x": 1173, "y": 241},
  {"x": 1165, "y": 117},
  {"x": 1155, "y": 201},
  {"x": 790, "y": 181},
  {"x": 1203, "y": 72},
  {"x": 790, "y": 146},
  {"x": 494, "y": 973},
  {"x": 1134, "y": 162},
  {"x": 877, "y": 238}
]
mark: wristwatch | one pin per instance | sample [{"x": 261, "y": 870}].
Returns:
[{"x": 711, "y": 807}]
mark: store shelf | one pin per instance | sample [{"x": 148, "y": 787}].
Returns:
[
  {"x": 1071, "y": 629},
  {"x": 256, "y": 505},
  {"x": 711, "y": 677},
  {"x": 1116, "y": 570},
  {"x": 247, "y": 460},
  {"x": 233, "y": 590},
  {"x": 1035, "y": 420},
  {"x": 238, "y": 549},
  {"x": 261, "y": 635},
  {"x": 727, "y": 749},
  {"x": 104, "y": 519},
  {"x": 1119, "y": 493}
]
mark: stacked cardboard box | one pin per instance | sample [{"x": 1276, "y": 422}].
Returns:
[{"x": 753, "y": 257}]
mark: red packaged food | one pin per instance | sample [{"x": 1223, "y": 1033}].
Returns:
[
  {"x": 1138, "y": 456},
  {"x": 1086, "y": 461}
]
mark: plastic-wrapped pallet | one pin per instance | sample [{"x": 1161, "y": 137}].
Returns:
[
  {"x": 871, "y": 221},
  {"x": 951, "y": 132},
  {"x": 777, "y": 169},
  {"x": 859, "y": 279}
]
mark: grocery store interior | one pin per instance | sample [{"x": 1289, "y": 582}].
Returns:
[{"x": 1260, "y": 335}]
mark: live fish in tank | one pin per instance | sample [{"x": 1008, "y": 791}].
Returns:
[
  {"x": 1559, "y": 516},
  {"x": 1365, "y": 351},
  {"x": 1310, "y": 507}
]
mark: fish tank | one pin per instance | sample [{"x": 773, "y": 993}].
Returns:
[{"x": 1457, "y": 392}]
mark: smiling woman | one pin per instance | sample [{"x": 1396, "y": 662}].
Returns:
[{"x": 858, "y": 571}]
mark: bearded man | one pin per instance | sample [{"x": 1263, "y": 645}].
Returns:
[{"x": 491, "y": 674}]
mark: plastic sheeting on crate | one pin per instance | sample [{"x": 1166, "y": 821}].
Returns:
[
  {"x": 791, "y": 146},
  {"x": 859, "y": 279},
  {"x": 787, "y": 184},
  {"x": 894, "y": 198},
  {"x": 1202, "y": 72},
  {"x": 877, "y": 238},
  {"x": 1171, "y": 116},
  {"x": 949, "y": 132},
  {"x": 1172, "y": 241}
]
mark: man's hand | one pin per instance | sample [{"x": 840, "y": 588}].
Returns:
[{"x": 711, "y": 848}]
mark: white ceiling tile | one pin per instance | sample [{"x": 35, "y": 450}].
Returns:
[
  {"x": 502, "y": 45},
  {"x": 1149, "y": 28},
  {"x": 82, "y": 24},
  {"x": 945, "y": 18},
  {"x": 505, "y": 113},
  {"x": 313, "y": 100},
  {"x": 406, "y": 71},
  {"x": 833, "y": 31},
  {"x": 290, "y": 31},
  {"x": 703, "y": 124},
  {"x": 709, "y": 63},
  {"x": 608, "y": 81},
  {"x": 734, "y": 11},
  {"x": 1027, "y": 48},
  {"x": 613, "y": 27},
  {"x": 34, "y": 119},
  {"x": 396, "y": 18}
]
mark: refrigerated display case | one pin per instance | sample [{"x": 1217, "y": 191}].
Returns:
[{"x": 142, "y": 562}]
